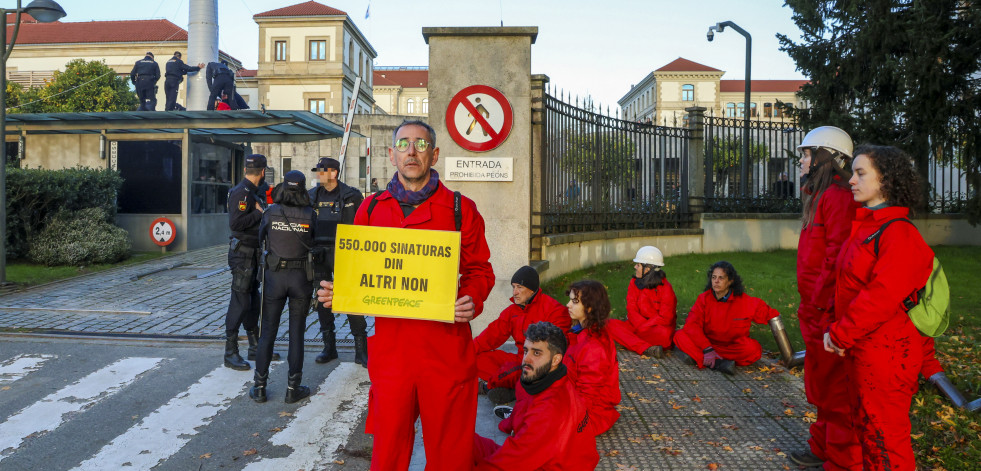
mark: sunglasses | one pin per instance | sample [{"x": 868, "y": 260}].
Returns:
[{"x": 402, "y": 145}]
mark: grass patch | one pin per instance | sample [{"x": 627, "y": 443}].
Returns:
[
  {"x": 944, "y": 438},
  {"x": 27, "y": 274}
]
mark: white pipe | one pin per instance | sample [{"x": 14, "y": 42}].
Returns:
[{"x": 202, "y": 46}]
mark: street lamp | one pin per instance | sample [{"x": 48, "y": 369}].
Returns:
[
  {"x": 44, "y": 11},
  {"x": 720, "y": 27}
]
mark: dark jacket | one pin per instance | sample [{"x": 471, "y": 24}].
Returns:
[
  {"x": 344, "y": 200},
  {"x": 145, "y": 69},
  {"x": 243, "y": 217},
  {"x": 288, "y": 231},
  {"x": 176, "y": 68},
  {"x": 216, "y": 70}
]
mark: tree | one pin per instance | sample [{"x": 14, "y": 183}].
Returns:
[
  {"x": 726, "y": 158},
  {"x": 599, "y": 159},
  {"x": 896, "y": 72},
  {"x": 83, "y": 86}
]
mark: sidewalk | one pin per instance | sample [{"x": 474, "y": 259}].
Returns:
[{"x": 674, "y": 417}]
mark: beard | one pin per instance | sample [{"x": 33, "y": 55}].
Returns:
[{"x": 535, "y": 374}]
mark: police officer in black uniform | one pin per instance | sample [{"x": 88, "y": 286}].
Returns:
[
  {"x": 288, "y": 232},
  {"x": 335, "y": 203},
  {"x": 176, "y": 70},
  {"x": 245, "y": 209},
  {"x": 144, "y": 76},
  {"x": 221, "y": 81}
]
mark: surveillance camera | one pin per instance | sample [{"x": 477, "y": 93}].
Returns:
[{"x": 710, "y": 35}]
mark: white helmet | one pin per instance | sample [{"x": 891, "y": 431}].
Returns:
[
  {"x": 828, "y": 137},
  {"x": 649, "y": 255}
]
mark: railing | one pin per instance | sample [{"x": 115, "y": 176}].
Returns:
[{"x": 603, "y": 173}]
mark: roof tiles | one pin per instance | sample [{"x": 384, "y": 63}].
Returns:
[
  {"x": 684, "y": 65},
  {"x": 127, "y": 31},
  {"x": 310, "y": 8},
  {"x": 762, "y": 86}
]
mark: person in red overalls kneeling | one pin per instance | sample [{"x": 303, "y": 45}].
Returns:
[
  {"x": 826, "y": 221},
  {"x": 716, "y": 332},
  {"x": 883, "y": 350},
  {"x": 592, "y": 358},
  {"x": 651, "y": 307},
  {"x": 499, "y": 370}
]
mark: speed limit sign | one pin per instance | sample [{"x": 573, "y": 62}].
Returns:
[{"x": 163, "y": 231}]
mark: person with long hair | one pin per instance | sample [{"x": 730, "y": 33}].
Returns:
[
  {"x": 882, "y": 349},
  {"x": 651, "y": 307},
  {"x": 716, "y": 332},
  {"x": 592, "y": 358},
  {"x": 287, "y": 228},
  {"x": 826, "y": 221}
]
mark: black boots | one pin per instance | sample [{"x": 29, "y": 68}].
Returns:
[
  {"x": 655, "y": 351},
  {"x": 253, "y": 336},
  {"x": 258, "y": 391},
  {"x": 330, "y": 348},
  {"x": 725, "y": 366},
  {"x": 295, "y": 392},
  {"x": 361, "y": 350},
  {"x": 232, "y": 359}
]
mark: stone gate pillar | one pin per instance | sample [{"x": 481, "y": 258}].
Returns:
[
  {"x": 499, "y": 58},
  {"x": 696, "y": 162}
]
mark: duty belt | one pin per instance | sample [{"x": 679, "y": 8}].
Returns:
[{"x": 285, "y": 264}]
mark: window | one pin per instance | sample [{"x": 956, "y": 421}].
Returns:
[
  {"x": 778, "y": 111},
  {"x": 688, "y": 92},
  {"x": 425, "y": 105},
  {"x": 318, "y": 50},
  {"x": 211, "y": 178},
  {"x": 317, "y": 105},
  {"x": 730, "y": 110},
  {"x": 360, "y": 64},
  {"x": 150, "y": 164},
  {"x": 752, "y": 110},
  {"x": 410, "y": 106},
  {"x": 287, "y": 164},
  {"x": 740, "y": 110},
  {"x": 281, "y": 51},
  {"x": 767, "y": 109},
  {"x": 350, "y": 55}
]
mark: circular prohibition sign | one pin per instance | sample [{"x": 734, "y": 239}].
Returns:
[
  {"x": 479, "y": 118},
  {"x": 163, "y": 231}
]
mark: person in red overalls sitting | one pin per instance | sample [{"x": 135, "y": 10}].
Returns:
[
  {"x": 716, "y": 332},
  {"x": 592, "y": 358},
  {"x": 651, "y": 307},
  {"x": 498, "y": 370}
]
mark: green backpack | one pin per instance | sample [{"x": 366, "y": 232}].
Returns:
[{"x": 929, "y": 306}]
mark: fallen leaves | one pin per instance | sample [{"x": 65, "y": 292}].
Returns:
[
  {"x": 286, "y": 414},
  {"x": 712, "y": 466},
  {"x": 810, "y": 417},
  {"x": 250, "y": 452},
  {"x": 205, "y": 456}
]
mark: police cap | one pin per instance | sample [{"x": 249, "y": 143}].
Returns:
[
  {"x": 327, "y": 163},
  {"x": 255, "y": 161},
  {"x": 295, "y": 178}
]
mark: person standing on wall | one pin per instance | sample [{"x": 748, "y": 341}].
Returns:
[
  {"x": 176, "y": 70},
  {"x": 335, "y": 203},
  {"x": 826, "y": 222},
  {"x": 145, "y": 74}
]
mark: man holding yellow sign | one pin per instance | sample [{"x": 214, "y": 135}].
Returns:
[{"x": 422, "y": 360}]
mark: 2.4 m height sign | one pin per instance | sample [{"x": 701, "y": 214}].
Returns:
[{"x": 479, "y": 118}]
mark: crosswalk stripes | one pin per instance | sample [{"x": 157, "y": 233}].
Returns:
[
  {"x": 166, "y": 430},
  {"x": 53, "y": 410},
  {"x": 20, "y": 366},
  {"x": 321, "y": 425}
]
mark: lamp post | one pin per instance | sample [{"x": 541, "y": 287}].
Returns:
[
  {"x": 744, "y": 167},
  {"x": 44, "y": 11}
]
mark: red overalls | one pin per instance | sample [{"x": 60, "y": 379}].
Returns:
[
  {"x": 502, "y": 369},
  {"x": 724, "y": 326},
  {"x": 832, "y": 437},
  {"x": 651, "y": 318},
  {"x": 593, "y": 367},
  {"x": 547, "y": 434},
  {"x": 427, "y": 368},
  {"x": 884, "y": 351}
]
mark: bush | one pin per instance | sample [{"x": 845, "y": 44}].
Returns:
[
  {"x": 78, "y": 238},
  {"x": 34, "y": 195}
]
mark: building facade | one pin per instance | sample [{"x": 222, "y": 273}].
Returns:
[
  {"x": 402, "y": 90},
  {"x": 662, "y": 96}
]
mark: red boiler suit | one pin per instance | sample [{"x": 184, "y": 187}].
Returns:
[
  {"x": 652, "y": 315},
  {"x": 724, "y": 326},
  {"x": 427, "y": 368},
  {"x": 832, "y": 437},
  {"x": 884, "y": 351},
  {"x": 930, "y": 364},
  {"x": 594, "y": 369},
  {"x": 547, "y": 433},
  {"x": 502, "y": 369}
]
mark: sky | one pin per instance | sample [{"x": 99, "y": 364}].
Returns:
[{"x": 596, "y": 48}]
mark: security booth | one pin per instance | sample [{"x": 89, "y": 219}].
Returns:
[{"x": 176, "y": 164}]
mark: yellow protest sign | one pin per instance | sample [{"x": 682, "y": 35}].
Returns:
[{"x": 395, "y": 272}]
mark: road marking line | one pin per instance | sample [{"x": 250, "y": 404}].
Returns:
[
  {"x": 21, "y": 365},
  {"x": 165, "y": 431},
  {"x": 50, "y": 412},
  {"x": 322, "y": 425}
]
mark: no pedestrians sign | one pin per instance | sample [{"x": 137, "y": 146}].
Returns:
[{"x": 479, "y": 118}]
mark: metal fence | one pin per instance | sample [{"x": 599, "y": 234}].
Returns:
[
  {"x": 767, "y": 182},
  {"x": 603, "y": 173}
]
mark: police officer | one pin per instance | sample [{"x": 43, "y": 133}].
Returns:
[
  {"x": 245, "y": 209},
  {"x": 176, "y": 70},
  {"x": 288, "y": 231},
  {"x": 220, "y": 82},
  {"x": 335, "y": 203},
  {"x": 144, "y": 76}
]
